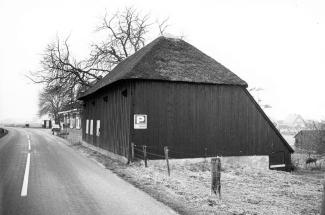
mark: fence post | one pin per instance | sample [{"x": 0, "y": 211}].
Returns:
[
  {"x": 166, "y": 157},
  {"x": 322, "y": 208},
  {"x": 145, "y": 155},
  {"x": 132, "y": 151},
  {"x": 215, "y": 176}
]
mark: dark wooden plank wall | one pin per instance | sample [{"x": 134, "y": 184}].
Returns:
[
  {"x": 114, "y": 116},
  {"x": 190, "y": 117}
]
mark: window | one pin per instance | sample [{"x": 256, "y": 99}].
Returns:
[
  {"x": 77, "y": 122},
  {"x": 91, "y": 127},
  {"x": 72, "y": 122},
  {"x": 98, "y": 128},
  {"x": 87, "y": 126}
]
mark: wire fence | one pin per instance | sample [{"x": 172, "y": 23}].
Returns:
[
  {"x": 159, "y": 153},
  {"x": 145, "y": 153}
]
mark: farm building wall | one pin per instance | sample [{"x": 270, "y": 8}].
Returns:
[
  {"x": 310, "y": 140},
  {"x": 111, "y": 106},
  {"x": 189, "y": 117}
]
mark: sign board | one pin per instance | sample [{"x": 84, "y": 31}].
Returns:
[
  {"x": 87, "y": 126},
  {"x": 91, "y": 127},
  {"x": 140, "y": 121},
  {"x": 98, "y": 128}
]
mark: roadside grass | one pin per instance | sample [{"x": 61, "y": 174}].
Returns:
[{"x": 245, "y": 190}]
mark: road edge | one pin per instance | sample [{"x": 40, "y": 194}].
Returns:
[{"x": 118, "y": 166}]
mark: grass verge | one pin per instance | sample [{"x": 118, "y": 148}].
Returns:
[{"x": 244, "y": 190}]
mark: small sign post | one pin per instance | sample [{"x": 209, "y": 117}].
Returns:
[
  {"x": 132, "y": 152},
  {"x": 145, "y": 156},
  {"x": 140, "y": 121}
]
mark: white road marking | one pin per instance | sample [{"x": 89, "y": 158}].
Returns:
[
  {"x": 25, "y": 182},
  {"x": 28, "y": 145}
]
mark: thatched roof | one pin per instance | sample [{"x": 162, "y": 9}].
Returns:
[{"x": 170, "y": 60}]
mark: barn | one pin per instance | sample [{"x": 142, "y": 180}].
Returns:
[
  {"x": 169, "y": 93},
  {"x": 312, "y": 141}
]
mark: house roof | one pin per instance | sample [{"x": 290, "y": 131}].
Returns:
[
  {"x": 169, "y": 59},
  {"x": 310, "y": 132}
]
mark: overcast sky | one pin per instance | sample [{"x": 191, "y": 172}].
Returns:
[{"x": 276, "y": 45}]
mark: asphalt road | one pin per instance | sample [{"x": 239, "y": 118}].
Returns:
[{"x": 61, "y": 181}]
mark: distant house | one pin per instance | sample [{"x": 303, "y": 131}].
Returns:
[
  {"x": 292, "y": 124},
  {"x": 171, "y": 94},
  {"x": 295, "y": 121},
  {"x": 310, "y": 140}
]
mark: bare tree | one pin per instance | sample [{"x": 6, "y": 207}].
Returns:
[
  {"x": 51, "y": 101},
  {"x": 126, "y": 33},
  {"x": 60, "y": 68},
  {"x": 64, "y": 76},
  {"x": 163, "y": 26}
]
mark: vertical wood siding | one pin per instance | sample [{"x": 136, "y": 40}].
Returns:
[
  {"x": 190, "y": 117},
  {"x": 186, "y": 117},
  {"x": 114, "y": 116}
]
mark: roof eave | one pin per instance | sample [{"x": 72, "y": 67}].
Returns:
[{"x": 86, "y": 94}]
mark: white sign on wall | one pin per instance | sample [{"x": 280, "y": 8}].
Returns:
[
  {"x": 98, "y": 128},
  {"x": 140, "y": 121},
  {"x": 91, "y": 127},
  {"x": 87, "y": 126}
]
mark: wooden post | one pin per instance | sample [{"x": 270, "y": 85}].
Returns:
[
  {"x": 322, "y": 207},
  {"x": 166, "y": 157},
  {"x": 145, "y": 155},
  {"x": 132, "y": 152},
  {"x": 215, "y": 176}
]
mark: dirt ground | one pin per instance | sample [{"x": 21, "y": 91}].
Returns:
[{"x": 244, "y": 190}]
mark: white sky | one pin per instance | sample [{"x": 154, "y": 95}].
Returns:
[{"x": 276, "y": 45}]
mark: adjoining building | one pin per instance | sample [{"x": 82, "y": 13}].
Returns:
[
  {"x": 70, "y": 122},
  {"x": 310, "y": 141},
  {"x": 70, "y": 116},
  {"x": 71, "y": 119},
  {"x": 171, "y": 94}
]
